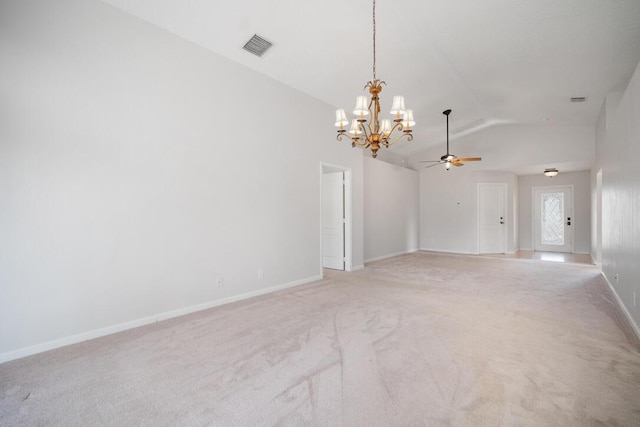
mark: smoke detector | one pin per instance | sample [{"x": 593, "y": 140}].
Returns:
[{"x": 257, "y": 45}]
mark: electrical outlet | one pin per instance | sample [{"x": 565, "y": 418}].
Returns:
[{"x": 219, "y": 281}]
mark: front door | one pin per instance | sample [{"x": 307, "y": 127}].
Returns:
[{"x": 553, "y": 219}]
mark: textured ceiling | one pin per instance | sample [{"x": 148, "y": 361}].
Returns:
[{"x": 491, "y": 61}]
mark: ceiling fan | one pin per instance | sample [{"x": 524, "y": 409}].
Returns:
[{"x": 449, "y": 159}]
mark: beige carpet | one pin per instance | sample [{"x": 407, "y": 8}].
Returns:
[{"x": 417, "y": 340}]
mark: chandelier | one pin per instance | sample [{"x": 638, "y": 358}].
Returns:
[{"x": 375, "y": 133}]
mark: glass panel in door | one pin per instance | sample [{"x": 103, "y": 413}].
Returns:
[
  {"x": 551, "y": 219},
  {"x": 553, "y": 224}
]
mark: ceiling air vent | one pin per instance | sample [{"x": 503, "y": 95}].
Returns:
[
  {"x": 257, "y": 45},
  {"x": 579, "y": 99}
]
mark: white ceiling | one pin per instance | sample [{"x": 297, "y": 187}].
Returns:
[{"x": 491, "y": 61}]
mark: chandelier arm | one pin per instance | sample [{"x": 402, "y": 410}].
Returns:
[
  {"x": 397, "y": 126},
  {"x": 364, "y": 129},
  {"x": 363, "y": 144},
  {"x": 374, "y": 118},
  {"x": 408, "y": 135},
  {"x": 367, "y": 122},
  {"x": 353, "y": 140},
  {"x": 369, "y": 127}
]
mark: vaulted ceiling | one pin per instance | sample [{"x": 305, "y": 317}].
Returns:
[{"x": 491, "y": 61}]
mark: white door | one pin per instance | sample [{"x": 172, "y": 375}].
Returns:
[
  {"x": 333, "y": 220},
  {"x": 553, "y": 219},
  {"x": 492, "y": 218}
]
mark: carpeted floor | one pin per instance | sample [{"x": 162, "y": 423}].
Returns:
[{"x": 416, "y": 340}]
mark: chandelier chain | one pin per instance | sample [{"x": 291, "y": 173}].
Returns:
[{"x": 374, "y": 39}]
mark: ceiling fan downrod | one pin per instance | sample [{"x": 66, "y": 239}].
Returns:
[{"x": 447, "y": 157}]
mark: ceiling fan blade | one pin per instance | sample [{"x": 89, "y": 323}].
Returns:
[
  {"x": 429, "y": 161},
  {"x": 430, "y": 166},
  {"x": 469, "y": 159},
  {"x": 457, "y": 164}
]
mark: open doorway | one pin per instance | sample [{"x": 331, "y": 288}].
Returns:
[{"x": 335, "y": 217}]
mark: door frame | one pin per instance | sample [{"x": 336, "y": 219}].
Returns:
[
  {"x": 348, "y": 217},
  {"x": 597, "y": 220},
  {"x": 505, "y": 193},
  {"x": 534, "y": 237}
]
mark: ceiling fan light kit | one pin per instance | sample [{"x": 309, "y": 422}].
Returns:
[
  {"x": 373, "y": 133},
  {"x": 449, "y": 159},
  {"x": 551, "y": 172}
]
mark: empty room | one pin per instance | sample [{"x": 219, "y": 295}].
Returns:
[{"x": 319, "y": 213}]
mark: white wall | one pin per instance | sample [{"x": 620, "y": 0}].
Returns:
[
  {"x": 386, "y": 155},
  {"x": 135, "y": 168},
  {"x": 391, "y": 218},
  {"x": 449, "y": 208},
  {"x": 604, "y": 122},
  {"x": 618, "y": 152},
  {"x": 581, "y": 203}
]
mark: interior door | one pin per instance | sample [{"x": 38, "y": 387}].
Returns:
[
  {"x": 553, "y": 219},
  {"x": 492, "y": 218},
  {"x": 333, "y": 220}
]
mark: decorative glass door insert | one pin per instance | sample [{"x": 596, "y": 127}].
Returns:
[{"x": 551, "y": 219}]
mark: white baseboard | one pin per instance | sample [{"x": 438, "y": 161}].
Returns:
[
  {"x": 632, "y": 322},
  {"x": 366, "y": 261},
  {"x": 357, "y": 267},
  {"x": 575, "y": 252},
  {"x": 97, "y": 333},
  {"x": 448, "y": 251}
]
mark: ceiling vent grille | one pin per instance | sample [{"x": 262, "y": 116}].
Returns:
[
  {"x": 579, "y": 99},
  {"x": 257, "y": 45}
]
